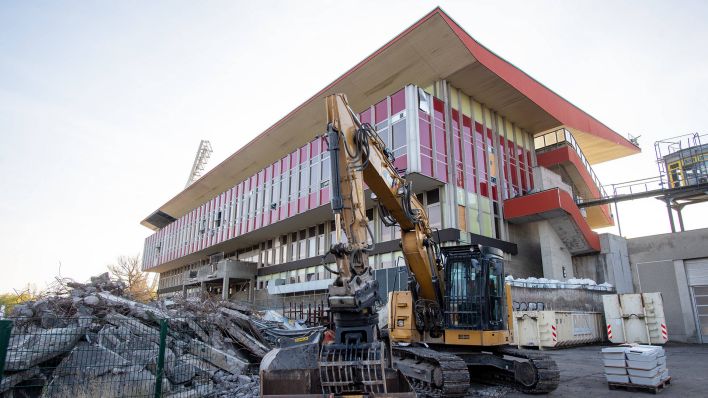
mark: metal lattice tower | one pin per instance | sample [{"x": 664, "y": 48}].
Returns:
[{"x": 200, "y": 161}]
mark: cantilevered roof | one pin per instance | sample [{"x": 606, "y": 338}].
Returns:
[{"x": 433, "y": 48}]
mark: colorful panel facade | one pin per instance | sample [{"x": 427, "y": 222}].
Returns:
[{"x": 475, "y": 156}]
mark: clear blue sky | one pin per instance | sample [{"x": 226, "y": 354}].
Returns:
[{"x": 103, "y": 104}]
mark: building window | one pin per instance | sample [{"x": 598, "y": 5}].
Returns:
[
  {"x": 304, "y": 178},
  {"x": 433, "y": 208},
  {"x": 326, "y": 167},
  {"x": 371, "y": 223},
  {"x": 302, "y": 245},
  {"x": 292, "y": 255},
  {"x": 321, "y": 245},
  {"x": 312, "y": 242}
]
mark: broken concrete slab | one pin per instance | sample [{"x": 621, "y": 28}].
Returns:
[{"x": 53, "y": 342}]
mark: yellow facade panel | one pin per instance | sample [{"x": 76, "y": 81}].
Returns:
[
  {"x": 477, "y": 108},
  {"x": 466, "y": 105},
  {"x": 454, "y": 96}
]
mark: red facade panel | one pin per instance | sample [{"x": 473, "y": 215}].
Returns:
[
  {"x": 398, "y": 101},
  {"x": 440, "y": 138}
]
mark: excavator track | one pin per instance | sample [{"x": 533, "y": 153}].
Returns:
[
  {"x": 547, "y": 373},
  {"x": 452, "y": 378},
  {"x": 540, "y": 376}
]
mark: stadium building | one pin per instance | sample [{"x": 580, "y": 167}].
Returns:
[{"x": 496, "y": 157}]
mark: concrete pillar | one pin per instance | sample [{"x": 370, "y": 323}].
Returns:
[
  {"x": 556, "y": 260},
  {"x": 225, "y": 288},
  {"x": 203, "y": 287},
  {"x": 680, "y": 217},
  {"x": 686, "y": 303},
  {"x": 671, "y": 216},
  {"x": 184, "y": 291}
]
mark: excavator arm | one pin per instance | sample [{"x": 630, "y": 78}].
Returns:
[{"x": 359, "y": 156}]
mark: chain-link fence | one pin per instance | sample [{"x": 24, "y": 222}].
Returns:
[{"x": 119, "y": 356}]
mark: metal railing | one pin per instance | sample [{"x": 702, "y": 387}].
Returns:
[
  {"x": 560, "y": 137},
  {"x": 636, "y": 186}
]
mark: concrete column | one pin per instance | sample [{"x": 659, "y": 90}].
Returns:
[
  {"x": 671, "y": 216},
  {"x": 203, "y": 287},
  {"x": 225, "y": 288},
  {"x": 689, "y": 321},
  {"x": 554, "y": 255},
  {"x": 184, "y": 291},
  {"x": 680, "y": 217},
  {"x": 251, "y": 290}
]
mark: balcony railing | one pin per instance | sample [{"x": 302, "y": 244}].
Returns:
[{"x": 564, "y": 137}]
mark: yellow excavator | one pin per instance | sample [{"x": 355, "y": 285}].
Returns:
[{"x": 450, "y": 326}]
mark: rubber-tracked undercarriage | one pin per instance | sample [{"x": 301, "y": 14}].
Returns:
[{"x": 447, "y": 373}]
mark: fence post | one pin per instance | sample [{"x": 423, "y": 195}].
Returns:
[
  {"x": 161, "y": 358},
  {"x": 5, "y": 331}
]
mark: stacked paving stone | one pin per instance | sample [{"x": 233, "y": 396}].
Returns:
[
  {"x": 640, "y": 365},
  {"x": 87, "y": 339}
]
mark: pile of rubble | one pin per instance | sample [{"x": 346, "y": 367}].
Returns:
[{"x": 90, "y": 340}]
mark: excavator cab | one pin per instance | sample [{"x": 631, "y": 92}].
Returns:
[{"x": 474, "y": 288}]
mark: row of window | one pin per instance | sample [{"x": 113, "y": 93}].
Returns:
[
  {"x": 294, "y": 184},
  {"x": 306, "y": 243},
  {"x": 491, "y": 164}
]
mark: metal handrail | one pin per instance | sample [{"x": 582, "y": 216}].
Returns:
[
  {"x": 563, "y": 136},
  {"x": 637, "y": 186}
]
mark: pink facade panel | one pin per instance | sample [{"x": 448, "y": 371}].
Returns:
[
  {"x": 324, "y": 195},
  {"x": 398, "y": 101},
  {"x": 381, "y": 111},
  {"x": 365, "y": 117}
]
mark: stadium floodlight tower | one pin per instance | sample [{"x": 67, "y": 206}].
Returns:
[{"x": 200, "y": 161}]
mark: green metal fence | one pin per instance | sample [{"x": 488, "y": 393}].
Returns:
[{"x": 119, "y": 356}]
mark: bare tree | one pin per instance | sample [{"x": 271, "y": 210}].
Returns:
[{"x": 139, "y": 285}]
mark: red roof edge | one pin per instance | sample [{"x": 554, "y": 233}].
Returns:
[{"x": 554, "y": 104}]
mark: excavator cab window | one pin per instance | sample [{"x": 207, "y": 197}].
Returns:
[
  {"x": 493, "y": 314},
  {"x": 474, "y": 289},
  {"x": 463, "y": 287}
]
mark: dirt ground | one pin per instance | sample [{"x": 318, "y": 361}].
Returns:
[{"x": 582, "y": 374}]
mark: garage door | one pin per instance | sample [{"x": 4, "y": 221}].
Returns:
[{"x": 697, "y": 274}]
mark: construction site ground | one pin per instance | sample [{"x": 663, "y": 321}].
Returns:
[{"x": 582, "y": 374}]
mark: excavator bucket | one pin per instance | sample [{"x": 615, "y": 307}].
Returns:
[{"x": 326, "y": 370}]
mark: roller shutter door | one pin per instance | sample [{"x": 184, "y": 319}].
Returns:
[{"x": 697, "y": 274}]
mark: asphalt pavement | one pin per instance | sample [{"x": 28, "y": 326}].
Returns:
[{"x": 581, "y": 371}]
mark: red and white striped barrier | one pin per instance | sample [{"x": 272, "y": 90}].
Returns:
[{"x": 664, "y": 333}]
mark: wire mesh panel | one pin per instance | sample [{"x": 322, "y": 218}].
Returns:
[
  {"x": 120, "y": 356},
  {"x": 79, "y": 358}
]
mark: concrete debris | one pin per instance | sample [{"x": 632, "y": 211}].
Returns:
[{"x": 87, "y": 339}]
